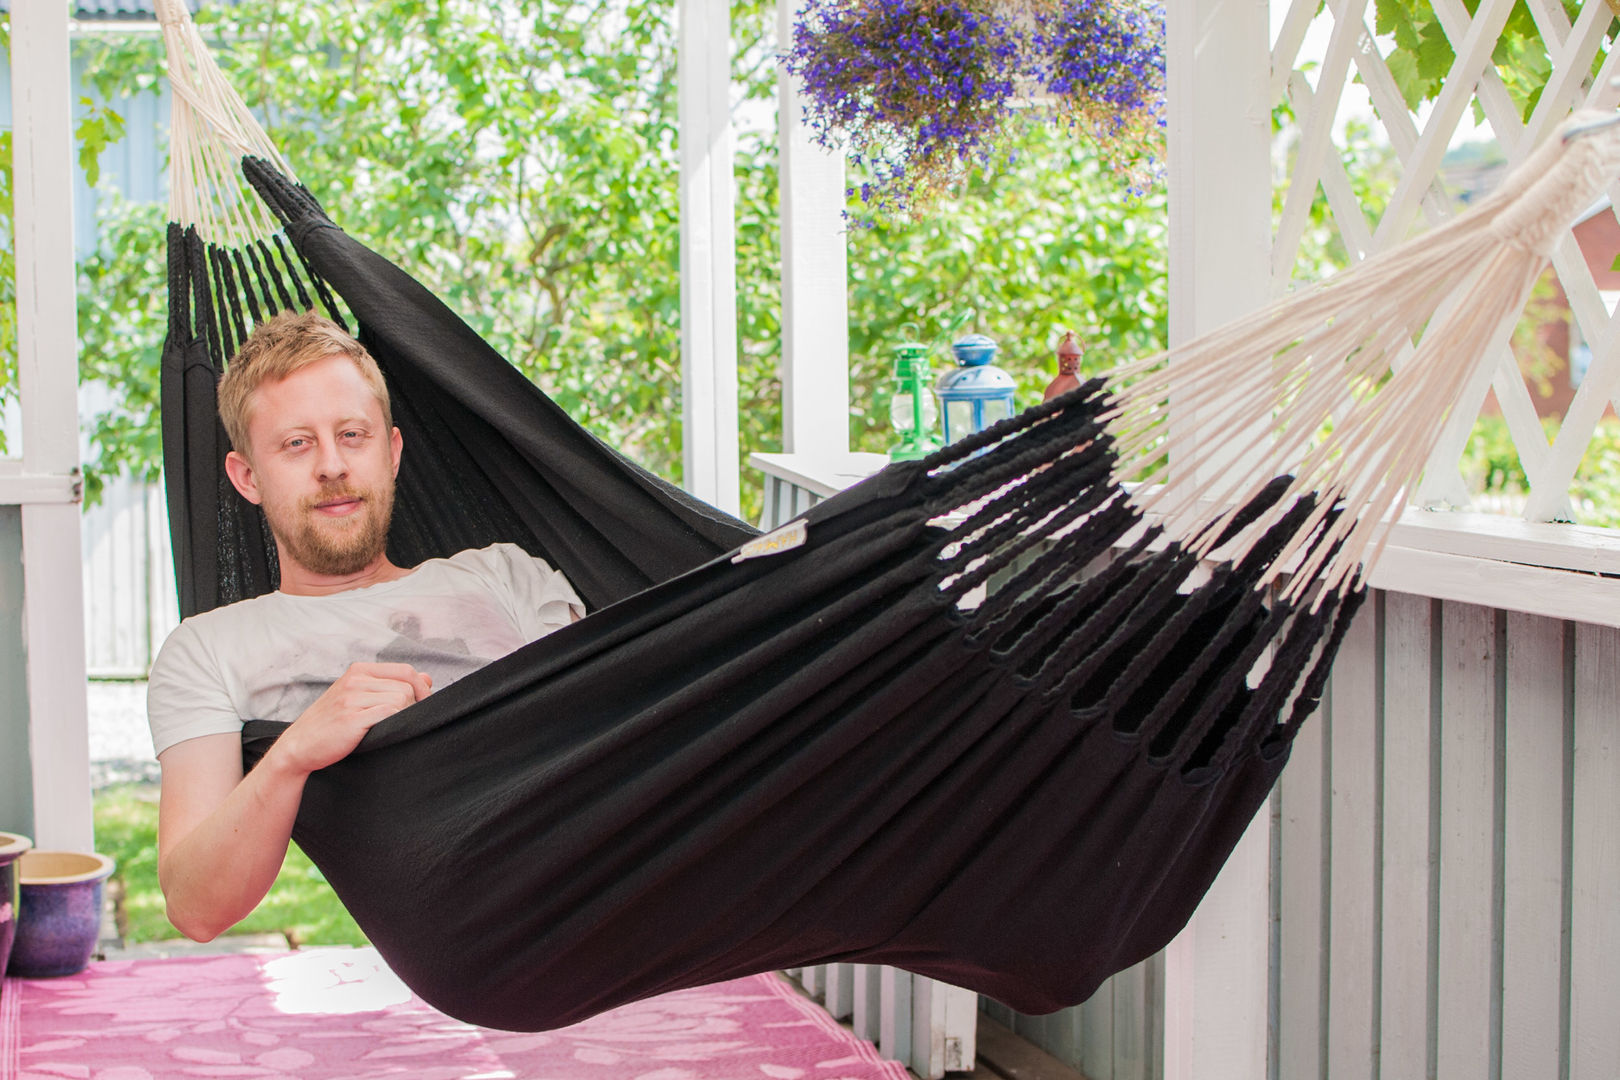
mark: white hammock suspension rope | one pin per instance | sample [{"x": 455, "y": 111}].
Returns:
[{"x": 1455, "y": 290}]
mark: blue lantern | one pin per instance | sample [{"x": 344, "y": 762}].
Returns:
[{"x": 975, "y": 393}]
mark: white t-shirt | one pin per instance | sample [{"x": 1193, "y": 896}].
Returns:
[{"x": 270, "y": 657}]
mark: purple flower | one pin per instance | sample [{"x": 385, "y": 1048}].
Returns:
[{"x": 920, "y": 91}]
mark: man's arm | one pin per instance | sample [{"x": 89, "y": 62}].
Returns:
[{"x": 222, "y": 836}]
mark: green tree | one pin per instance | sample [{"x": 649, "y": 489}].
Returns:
[
  {"x": 1424, "y": 53},
  {"x": 521, "y": 160}
]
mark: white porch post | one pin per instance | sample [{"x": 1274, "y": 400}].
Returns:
[
  {"x": 1218, "y": 67},
  {"x": 46, "y": 487},
  {"x": 815, "y": 285},
  {"x": 708, "y": 255}
]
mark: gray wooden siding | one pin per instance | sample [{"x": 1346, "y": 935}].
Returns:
[
  {"x": 1116, "y": 1035},
  {"x": 1446, "y": 846}
]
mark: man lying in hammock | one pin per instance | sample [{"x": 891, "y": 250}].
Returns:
[{"x": 348, "y": 639}]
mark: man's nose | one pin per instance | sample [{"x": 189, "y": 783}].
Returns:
[{"x": 330, "y": 463}]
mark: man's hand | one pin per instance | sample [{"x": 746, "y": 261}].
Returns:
[
  {"x": 222, "y": 836},
  {"x": 333, "y": 726}
]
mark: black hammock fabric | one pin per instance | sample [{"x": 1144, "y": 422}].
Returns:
[{"x": 981, "y": 723}]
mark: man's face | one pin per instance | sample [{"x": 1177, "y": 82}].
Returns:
[{"x": 322, "y": 467}]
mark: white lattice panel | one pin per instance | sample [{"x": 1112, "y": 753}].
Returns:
[{"x": 1316, "y": 56}]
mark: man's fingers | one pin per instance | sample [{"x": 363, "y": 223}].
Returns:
[
  {"x": 401, "y": 672},
  {"x": 420, "y": 682}
]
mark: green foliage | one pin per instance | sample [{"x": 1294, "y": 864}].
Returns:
[
  {"x": 1424, "y": 53},
  {"x": 300, "y": 905},
  {"x": 1490, "y": 466},
  {"x": 1049, "y": 243},
  {"x": 521, "y": 160}
]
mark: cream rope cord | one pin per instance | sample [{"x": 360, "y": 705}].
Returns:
[
  {"x": 1332, "y": 354},
  {"x": 210, "y": 131},
  {"x": 1339, "y": 353}
]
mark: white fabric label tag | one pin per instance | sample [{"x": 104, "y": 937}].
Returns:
[{"x": 788, "y": 537}]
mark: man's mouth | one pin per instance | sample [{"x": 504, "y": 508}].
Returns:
[{"x": 340, "y": 506}]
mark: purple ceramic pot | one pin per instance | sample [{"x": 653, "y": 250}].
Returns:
[
  {"x": 11, "y": 848},
  {"x": 59, "y": 918}
]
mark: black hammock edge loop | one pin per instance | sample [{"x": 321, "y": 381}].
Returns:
[
  {"x": 1065, "y": 538},
  {"x": 1310, "y": 691},
  {"x": 1018, "y": 637},
  {"x": 1250, "y": 512},
  {"x": 247, "y": 286},
  {"x": 232, "y": 298},
  {"x": 1235, "y": 586},
  {"x": 222, "y": 315},
  {"x": 1081, "y": 396},
  {"x": 275, "y": 277},
  {"x": 989, "y": 520},
  {"x": 1240, "y": 581},
  {"x": 1284, "y": 675},
  {"x": 1026, "y": 510},
  {"x": 179, "y": 296},
  {"x": 290, "y": 202},
  {"x": 265, "y": 299},
  {"x": 1051, "y": 512},
  {"x": 1251, "y": 728},
  {"x": 1170, "y": 633},
  {"x": 1220, "y": 653},
  {"x": 964, "y": 462},
  {"x": 1283, "y": 531},
  {"x": 1133, "y": 682},
  {"x": 1064, "y": 558},
  {"x": 1139, "y": 598},
  {"x": 304, "y": 302},
  {"x": 1083, "y": 476},
  {"x": 1234, "y": 736},
  {"x": 328, "y": 301},
  {"x": 1082, "y": 607},
  {"x": 202, "y": 301},
  {"x": 1021, "y": 476},
  {"x": 1033, "y": 449}
]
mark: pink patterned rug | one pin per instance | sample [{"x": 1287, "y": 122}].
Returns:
[{"x": 325, "y": 1014}]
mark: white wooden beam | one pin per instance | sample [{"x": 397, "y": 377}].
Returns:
[
  {"x": 708, "y": 255},
  {"x": 1218, "y": 80},
  {"x": 47, "y": 383},
  {"x": 815, "y": 279}
]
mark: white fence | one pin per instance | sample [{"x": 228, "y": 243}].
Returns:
[{"x": 130, "y": 603}]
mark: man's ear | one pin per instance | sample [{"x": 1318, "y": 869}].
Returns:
[
  {"x": 240, "y": 470},
  {"x": 396, "y": 444}
]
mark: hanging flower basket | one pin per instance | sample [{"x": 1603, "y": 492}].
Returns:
[{"x": 917, "y": 92}]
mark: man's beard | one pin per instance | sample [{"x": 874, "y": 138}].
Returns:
[{"x": 337, "y": 547}]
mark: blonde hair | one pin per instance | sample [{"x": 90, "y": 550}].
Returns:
[{"x": 285, "y": 343}]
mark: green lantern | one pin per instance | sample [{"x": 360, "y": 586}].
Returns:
[{"x": 913, "y": 412}]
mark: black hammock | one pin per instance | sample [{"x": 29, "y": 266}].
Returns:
[{"x": 981, "y": 724}]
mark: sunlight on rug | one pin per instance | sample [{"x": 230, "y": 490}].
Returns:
[{"x": 326, "y": 1014}]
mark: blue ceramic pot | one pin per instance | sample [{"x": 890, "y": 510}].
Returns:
[
  {"x": 60, "y": 913},
  {"x": 11, "y": 848}
]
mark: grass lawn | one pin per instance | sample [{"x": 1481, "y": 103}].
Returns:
[{"x": 300, "y": 905}]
